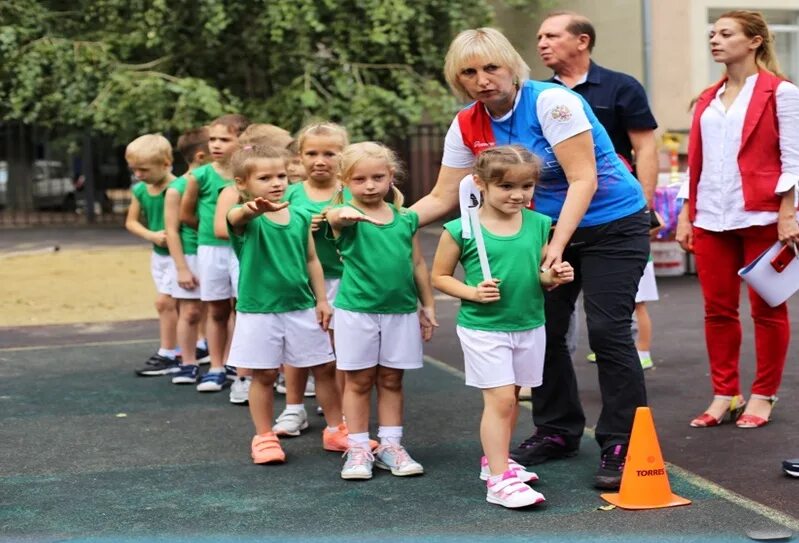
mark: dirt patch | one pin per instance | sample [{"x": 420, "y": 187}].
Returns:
[{"x": 72, "y": 286}]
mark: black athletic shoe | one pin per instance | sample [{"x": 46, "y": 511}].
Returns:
[
  {"x": 611, "y": 466},
  {"x": 539, "y": 448},
  {"x": 158, "y": 365},
  {"x": 791, "y": 467},
  {"x": 202, "y": 356}
]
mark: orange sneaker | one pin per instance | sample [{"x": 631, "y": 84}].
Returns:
[
  {"x": 337, "y": 441},
  {"x": 266, "y": 449}
]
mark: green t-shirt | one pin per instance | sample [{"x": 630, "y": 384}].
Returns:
[
  {"x": 209, "y": 185},
  {"x": 516, "y": 260},
  {"x": 273, "y": 276},
  {"x": 152, "y": 208},
  {"x": 378, "y": 266},
  {"x": 188, "y": 235},
  {"x": 323, "y": 238}
]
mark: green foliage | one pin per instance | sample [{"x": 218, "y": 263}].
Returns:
[{"x": 124, "y": 67}]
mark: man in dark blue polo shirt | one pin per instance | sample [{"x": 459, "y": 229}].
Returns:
[{"x": 565, "y": 42}]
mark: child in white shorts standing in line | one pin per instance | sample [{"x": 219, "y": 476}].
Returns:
[
  {"x": 320, "y": 145},
  {"x": 378, "y": 330},
  {"x": 150, "y": 159},
  {"x": 282, "y": 311},
  {"x": 182, "y": 240},
  {"x": 218, "y": 266},
  {"x": 501, "y": 320}
]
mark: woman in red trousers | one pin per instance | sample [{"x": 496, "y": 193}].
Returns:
[{"x": 743, "y": 160}]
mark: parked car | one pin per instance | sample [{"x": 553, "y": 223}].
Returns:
[{"x": 51, "y": 186}]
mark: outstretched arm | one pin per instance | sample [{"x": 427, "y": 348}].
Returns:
[
  {"x": 238, "y": 217},
  {"x": 340, "y": 217},
  {"x": 444, "y": 196}
]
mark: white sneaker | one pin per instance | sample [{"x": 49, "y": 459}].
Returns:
[
  {"x": 240, "y": 390},
  {"x": 521, "y": 472},
  {"x": 310, "y": 387},
  {"x": 280, "y": 384},
  {"x": 290, "y": 423},
  {"x": 397, "y": 460},
  {"x": 510, "y": 492},
  {"x": 358, "y": 463}
]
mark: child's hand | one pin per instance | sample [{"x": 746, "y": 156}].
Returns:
[
  {"x": 159, "y": 238},
  {"x": 187, "y": 280},
  {"x": 427, "y": 321},
  {"x": 562, "y": 273},
  {"x": 323, "y": 314},
  {"x": 316, "y": 222},
  {"x": 349, "y": 215},
  {"x": 262, "y": 205},
  {"x": 487, "y": 291}
]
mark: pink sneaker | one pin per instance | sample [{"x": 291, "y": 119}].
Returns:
[
  {"x": 510, "y": 492},
  {"x": 521, "y": 472}
]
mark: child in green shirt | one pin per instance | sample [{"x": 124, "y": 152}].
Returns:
[{"x": 501, "y": 320}]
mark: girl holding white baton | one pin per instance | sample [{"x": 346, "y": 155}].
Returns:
[{"x": 501, "y": 320}]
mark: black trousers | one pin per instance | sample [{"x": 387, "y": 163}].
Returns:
[{"x": 608, "y": 262}]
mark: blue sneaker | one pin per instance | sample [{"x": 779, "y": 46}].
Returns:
[
  {"x": 212, "y": 382},
  {"x": 158, "y": 365},
  {"x": 203, "y": 356},
  {"x": 186, "y": 375}
]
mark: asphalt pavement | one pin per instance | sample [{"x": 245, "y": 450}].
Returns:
[{"x": 92, "y": 453}]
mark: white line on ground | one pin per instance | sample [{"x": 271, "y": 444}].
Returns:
[{"x": 88, "y": 344}]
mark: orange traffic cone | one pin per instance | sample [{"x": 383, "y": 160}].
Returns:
[{"x": 644, "y": 483}]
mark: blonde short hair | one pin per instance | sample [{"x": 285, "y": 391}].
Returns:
[
  {"x": 487, "y": 44},
  {"x": 151, "y": 148}
]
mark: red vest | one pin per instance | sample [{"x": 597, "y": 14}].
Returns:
[{"x": 759, "y": 156}]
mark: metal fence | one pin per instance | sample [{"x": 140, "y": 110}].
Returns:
[{"x": 43, "y": 181}]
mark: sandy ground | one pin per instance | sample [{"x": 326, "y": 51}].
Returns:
[{"x": 76, "y": 285}]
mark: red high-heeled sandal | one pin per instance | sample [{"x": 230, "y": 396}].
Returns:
[
  {"x": 747, "y": 420},
  {"x": 706, "y": 420}
]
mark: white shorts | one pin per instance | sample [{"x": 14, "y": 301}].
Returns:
[
  {"x": 264, "y": 341},
  {"x": 219, "y": 276},
  {"x": 366, "y": 340},
  {"x": 331, "y": 289},
  {"x": 180, "y": 292},
  {"x": 162, "y": 268},
  {"x": 647, "y": 287},
  {"x": 495, "y": 359}
]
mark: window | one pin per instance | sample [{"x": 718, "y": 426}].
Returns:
[{"x": 784, "y": 24}]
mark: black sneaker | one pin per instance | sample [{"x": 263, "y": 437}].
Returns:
[
  {"x": 538, "y": 448},
  {"x": 611, "y": 466},
  {"x": 791, "y": 467},
  {"x": 159, "y": 365},
  {"x": 203, "y": 357}
]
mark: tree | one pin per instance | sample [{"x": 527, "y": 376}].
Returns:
[{"x": 124, "y": 67}]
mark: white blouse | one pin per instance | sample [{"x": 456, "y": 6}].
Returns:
[{"x": 720, "y": 201}]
